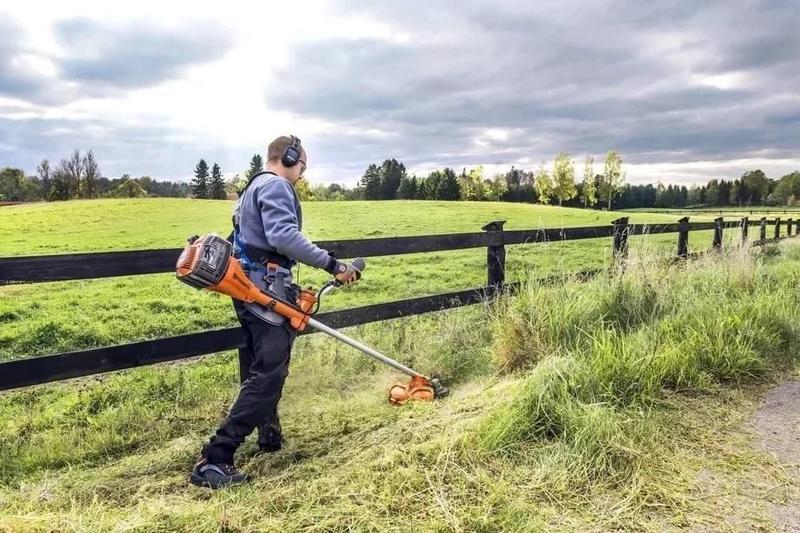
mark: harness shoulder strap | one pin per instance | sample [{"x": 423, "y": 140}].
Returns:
[
  {"x": 252, "y": 257},
  {"x": 234, "y": 218}
]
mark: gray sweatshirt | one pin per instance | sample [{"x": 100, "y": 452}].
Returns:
[{"x": 270, "y": 217}]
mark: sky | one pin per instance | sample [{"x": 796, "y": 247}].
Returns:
[{"x": 686, "y": 91}]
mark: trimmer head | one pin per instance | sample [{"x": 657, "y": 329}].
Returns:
[{"x": 418, "y": 388}]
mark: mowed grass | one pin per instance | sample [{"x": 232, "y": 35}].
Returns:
[
  {"x": 583, "y": 406},
  {"x": 99, "y": 225},
  {"x": 38, "y": 319}
]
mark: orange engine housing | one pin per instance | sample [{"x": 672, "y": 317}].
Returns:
[{"x": 207, "y": 263}]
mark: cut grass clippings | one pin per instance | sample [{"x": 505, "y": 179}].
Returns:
[{"x": 593, "y": 405}]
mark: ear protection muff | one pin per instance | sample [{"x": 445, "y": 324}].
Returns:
[{"x": 291, "y": 155}]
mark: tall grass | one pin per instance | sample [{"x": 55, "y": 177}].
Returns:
[{"x": 600, "y": 356}]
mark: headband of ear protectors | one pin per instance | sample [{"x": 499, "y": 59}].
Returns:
[{"x": 291, "y": 155}]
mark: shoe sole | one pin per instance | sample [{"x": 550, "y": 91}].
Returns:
[{"x": 203, "y": 482}]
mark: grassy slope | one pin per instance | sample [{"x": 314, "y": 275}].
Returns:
[
  {"x": 624, "y": 394},
  {"x": 53, "y": 317}
]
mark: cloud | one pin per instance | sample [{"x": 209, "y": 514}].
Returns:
[
  {"x": 669, "y": 81},
  {"x": 135, "y": 54},
  {"x": 18, "y": 74},
  {"x": 669, "y": 84},
  {"x": 101, "y": 59}
]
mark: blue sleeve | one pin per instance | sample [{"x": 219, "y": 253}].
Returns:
[{"x": 278, "y": 215}]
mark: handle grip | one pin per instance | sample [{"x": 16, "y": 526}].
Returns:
[{"x": 359, "y": 264}]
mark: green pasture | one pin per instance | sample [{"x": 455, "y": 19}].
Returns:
[
  {"x": 131, "y": 224},
  {"x": 38, "y": 319}
]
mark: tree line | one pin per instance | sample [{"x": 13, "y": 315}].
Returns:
[
  {"x": 753, "y": 188},
  {"x": 390, "y": 180},
  {"x": 561, "y": 185},
  {"x": 78, "y": 176}
]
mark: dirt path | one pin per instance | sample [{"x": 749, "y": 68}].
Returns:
[
  {"x": 752, "y": 481},
  {"x": 777, "y": 428},
  {"x": 777, "y": 423}
]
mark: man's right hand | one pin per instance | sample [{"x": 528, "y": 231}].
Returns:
[{"x": 346, "y": 273}]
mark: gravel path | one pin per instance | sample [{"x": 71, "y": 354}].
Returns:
[{"x": 777, "y": 426}]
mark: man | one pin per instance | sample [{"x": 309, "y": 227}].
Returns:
[{"x": 268, "y": 241}]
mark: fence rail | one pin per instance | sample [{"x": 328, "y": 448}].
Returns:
[
  {"x": 63, "y": 267},
  {"x": 44, "y": 369},
  {"x": 729, "y": 211}
]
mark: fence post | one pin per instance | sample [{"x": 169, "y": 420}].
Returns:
[
  {"x": 744, "y": 230},
  {"x": 789, "y": 228},
  {"x": 762, "y": 235},
  {"x": 620, "y": 239},
  {"x": 777, "y": 227},
  {"x": 495, "y": 255},
  {"x": 683, "y": 238},
  {"x": 717, "y": 233}
]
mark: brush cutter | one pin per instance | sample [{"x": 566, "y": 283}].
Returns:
[{"x": 208, "y": 263}]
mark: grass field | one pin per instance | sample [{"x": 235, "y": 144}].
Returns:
[
  {"x": 53, "y": 317},
  {"x": 96, "y": 225},
  {"x": 587, "y": 406}
]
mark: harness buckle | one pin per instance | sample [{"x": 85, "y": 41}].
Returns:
[{"x": 272, "y": 272}]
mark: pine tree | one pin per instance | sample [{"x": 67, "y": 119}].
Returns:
[
  {"x": 415, "y": 186},
  {"x": 371, "y": 183},
  {"x": 256, "y": 165},
  {"x": 217, "y": 184},
  {"x": 392, "y": 173},
  {"x": 447, "y": 188},
  {"x": 407, "y": 190},
  {"x": 200, "y": 181}
]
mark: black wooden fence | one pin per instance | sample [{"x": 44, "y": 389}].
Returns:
[
  {"x": 34, "y": 269},
  {"x": 729, "y": 211}
]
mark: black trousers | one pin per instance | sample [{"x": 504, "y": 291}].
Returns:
[{"x": 257, "y": 402}]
